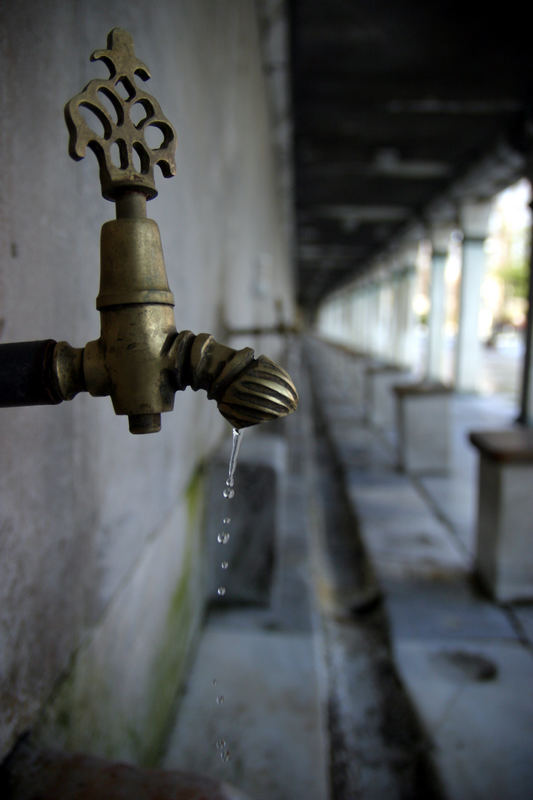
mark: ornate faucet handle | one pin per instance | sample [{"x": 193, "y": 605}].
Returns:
[{"x": 126, "y": 115}]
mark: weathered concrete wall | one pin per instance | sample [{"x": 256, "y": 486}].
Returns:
[{"x": 100, "y": 565}]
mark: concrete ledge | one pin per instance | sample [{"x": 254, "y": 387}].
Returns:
[
  {"x": 380, "y": 369},
  {"x": 421, "y": 388},
  {"x": 504, "y": 552},
  {"x": 509, "y": 446},
  {"x": 346, "y": 349},
  {"x": 423, "y": 423}
]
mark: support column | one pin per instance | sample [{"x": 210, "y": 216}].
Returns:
[
  {"x": 437, "y": 293},
  {"x": 405, "y": 335},
  {"x": 361, "y": 318},
  {"x": 385, "y": 309},
  {"x": 474, "y": 221},
  {"x": 366, "y": 340},
  {"x": 377, "y": 331},
  {"x": 397, "y": 316},
  {"x": 405, "y": 319},
  {"x": 374, "y": 319}
]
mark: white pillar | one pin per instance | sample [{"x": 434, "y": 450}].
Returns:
[
  {"x": 437, "y": 294},
  {"x": 385, "y": 318},
  {"x": 361, "y": 318},
  {"x": 405, "y": 330},
  {"x": 405, "y": 319},
  {"x": 378, "y": 328},
  {"x": 365, "y": 319},
  {"x": 366, "y": 340},
  {"x": 374, "y": 319},
  {"x": 397, "y": 316},
  {"x": 474, "y": 220}
]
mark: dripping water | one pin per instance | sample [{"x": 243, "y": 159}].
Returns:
[
  {"x": 229, "y": 491},
  {"x": 223, "y": 538}
]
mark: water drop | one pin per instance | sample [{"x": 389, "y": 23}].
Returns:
[
  {"x": 221, "y": 591},
  {"x": 223, "y": 537},
  {"x": 229, "y": 491},
  {"x": 220, "y": 699},
  {"x": 214, "y": 681},
  {"x": 224, "y": 565},
  {"x": 225, "y": 755},
  {"x": 235, "y": 446},
  {"x": 226, "y": 520},
  {"x": 220, "y": 744}
]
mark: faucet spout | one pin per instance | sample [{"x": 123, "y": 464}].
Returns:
[{"x": 247, "y": 390}]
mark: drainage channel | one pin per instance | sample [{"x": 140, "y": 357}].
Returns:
[{"x": 377, "y": 746}]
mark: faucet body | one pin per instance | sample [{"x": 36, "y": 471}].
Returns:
[
  {"x": 139, "y": 359},
  {"x": 137, "y": 321}
]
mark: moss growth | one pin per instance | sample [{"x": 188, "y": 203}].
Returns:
[
  {"x": 184, "y": 614},
  {"x": 73, "y": 719},
  {"x": 87, "y": 712}
]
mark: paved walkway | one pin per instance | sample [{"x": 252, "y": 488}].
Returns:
[
  {"x": 355, "y": 657},
  {"x": 466, "y": 662}
]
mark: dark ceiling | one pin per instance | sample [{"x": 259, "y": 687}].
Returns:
[{"x": 394, "y": 102}]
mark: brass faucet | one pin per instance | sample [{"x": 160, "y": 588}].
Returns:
[{"x": 140, "y": 360}]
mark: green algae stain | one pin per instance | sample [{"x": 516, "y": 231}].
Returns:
[
  {"x": 87, "y": 709},
  {"x": 184, "y": 614},
  {"x": 73, "y": 718}
]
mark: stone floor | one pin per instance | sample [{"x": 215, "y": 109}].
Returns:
[
  {"x": 355, "y": 657},
  {"x": 466, "y": 662}
]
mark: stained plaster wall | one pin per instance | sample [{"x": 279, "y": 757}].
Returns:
[{"x": 100, "y": 558}]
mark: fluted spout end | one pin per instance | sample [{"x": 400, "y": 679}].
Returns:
[
  {"x": 247, "y": 390},
  {"x": 262, "y": 392}
]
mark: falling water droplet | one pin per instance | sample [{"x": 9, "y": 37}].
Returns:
[
  {"x": 225, "y": 755},
  {"x": 229, "y": 491},
  {"x": 226, "y": 520},
  {"x": 220, "y": 744},
  {"x": 220, "y": 699},
  {"x": 223, "y": 537},
  {"x": 235, "y": 447},
  {"x": 224, "y": 565},
  {"x": 221, "y": 591},
  {"x": 214, "y": 681}
]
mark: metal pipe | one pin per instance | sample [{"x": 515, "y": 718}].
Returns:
[{"x": 27, "y": 375}]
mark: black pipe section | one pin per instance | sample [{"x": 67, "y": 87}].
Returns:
[{"x": 27, "y": 375}]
